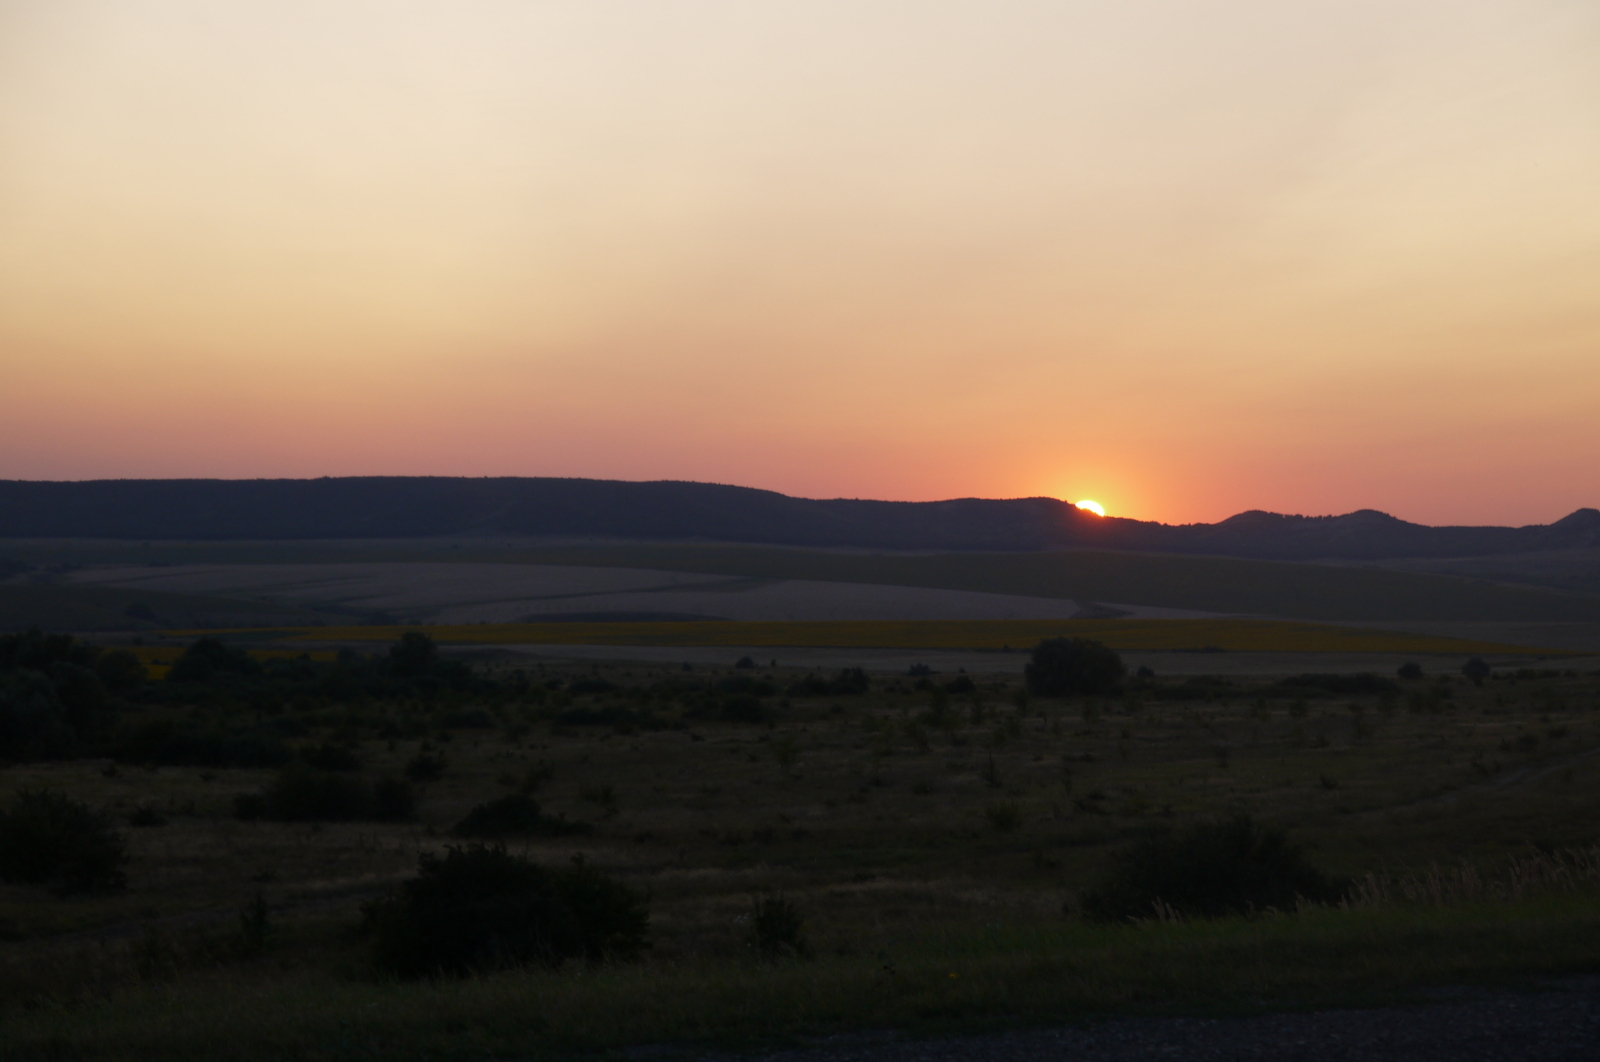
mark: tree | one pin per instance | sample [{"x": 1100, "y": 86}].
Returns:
[
  {"x": 1068, "y": 667},
  {"x": 1476, "y": 669},
  {"x": 413, "y": 656}
]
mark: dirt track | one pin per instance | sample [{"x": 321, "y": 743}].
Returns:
[{"x": 1558, "y": 1022}]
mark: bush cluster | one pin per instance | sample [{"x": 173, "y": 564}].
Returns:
[
  {"x": 1207, "y": 871},
  {"x": 777, "y": 928},
  {"x": 306, "y": 794},
  {"x": 1073, "y": 667},
  {"x": 52, "y": 840},
  {"x": 478, "y": 909},
  {"x": 850, "y": 682},
  {"x": 517, "y": 815},
  {"x": 57, "y": 693}
]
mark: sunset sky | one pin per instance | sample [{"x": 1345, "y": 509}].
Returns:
[{"x": 1184, "y": 258}]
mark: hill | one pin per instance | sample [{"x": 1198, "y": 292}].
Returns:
[{"x": 429, "y": 507}]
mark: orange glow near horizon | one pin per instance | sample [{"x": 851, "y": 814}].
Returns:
[{"x": 1187, "y": 260}]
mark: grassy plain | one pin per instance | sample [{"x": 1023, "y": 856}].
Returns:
[{"x": 935, "y": 841}]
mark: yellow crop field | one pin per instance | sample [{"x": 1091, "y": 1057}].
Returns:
[{"x": 1235, "y": 635}]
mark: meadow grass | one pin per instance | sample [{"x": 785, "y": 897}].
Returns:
[
  {"x": 939, "y": 981},
  {"x": 1465, "y": 815}
]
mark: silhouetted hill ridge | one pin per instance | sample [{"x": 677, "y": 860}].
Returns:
[{"x": 429, "y": 507}]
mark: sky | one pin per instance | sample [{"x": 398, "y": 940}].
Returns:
[{"x": 1185, "y": 259}]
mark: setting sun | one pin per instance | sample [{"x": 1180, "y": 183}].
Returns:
[{"x": 1092, "y": 506}]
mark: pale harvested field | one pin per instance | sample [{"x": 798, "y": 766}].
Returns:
[{"x": 447, "y": 593}]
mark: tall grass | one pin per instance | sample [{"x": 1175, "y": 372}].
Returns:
[
  {"x": 971, "y": 978},
  {"x": 1536, "y": 873}
]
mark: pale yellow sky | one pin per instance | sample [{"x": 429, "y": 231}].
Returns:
[{"x": 1184, "y": 258}]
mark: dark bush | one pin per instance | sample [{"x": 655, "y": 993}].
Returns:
[
  {"x": 210, "y": 658},
  {"x": 250, "y": 806},
  {"x": 33, "y": 722},
  {"x": 174, "y": 744},
  {"x": 517, "y": 815},
  {"x": 120, "y": 671},
  {"x": 850, "y": 682},
  {"x": 961, "y": 684},
  {"x": 468, "y": 719},
  {"x": 305, "y": 794},
  {"x": 1208, "y": 871},
  {"x": 52, "y": 840},
  {"x": 1362, "y": 684},
  {"x": 478, "y": 909},
  {"x": 329, "y": 757},
  {"x": 147, "y": 815},
  {"x": 310, "y": 795},
  {"x": 1193, "y": 688},
  {"x": 1477, "y": 669},
  {"x": 742, "y": 708},
  {"x": 413, "y": 656},
  {"x": 754, "y": 685},
  {"x": 425, "y": 767},
  {"x": 777, "y": 928},
  {"x": 1411, "y": 671},
  {"x": 393, "y": 800},
  {"x": 1073, "y": 667},
  {"x": 619, "y": 715}
]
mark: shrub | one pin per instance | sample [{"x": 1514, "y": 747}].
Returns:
[
  {"x": 1003, "y": 817},
  {"x": 173, "y": 744},
  {"x": 849, "y": 682},
  {"x": 515, "y": 815},
  {"x": 961, "y": 684},
  {"x": 33, "y": 722},
  {"x": 478, "y": 909},
  {"x": 52, "y": 840},
  {"x": 777, "y": 928},
  {"x": 1208, "y": 871},
  {"x": 425, "y": 767},
  {"x": 393, "y": 800},
  {"x": 147, "y": 815},
  {"x": 210, "y": 658},
  {"x": 468, "y": 719},
  {"x": 310, "y": 795},
  {"x": 1363, "y": 684},
  {"x": 1411, "y": 671},
  {"x": 1068, "y": 667},
  {"x": 330, "y": 757},
  {"x": 304, "y": 794}
]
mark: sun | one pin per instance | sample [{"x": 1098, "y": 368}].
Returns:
[{"x": 1092, "y": 506}]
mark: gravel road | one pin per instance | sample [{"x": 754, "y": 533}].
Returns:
[{"x": 1559, "y": 1022}]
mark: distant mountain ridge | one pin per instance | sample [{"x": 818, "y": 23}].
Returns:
[{"x": 430, "y": 507}]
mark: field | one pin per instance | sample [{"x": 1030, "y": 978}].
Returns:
[
  {"x": 934, "y": 831},
  {"x": 1224, "y": 635},
  {"x": 500, "y": 581}
]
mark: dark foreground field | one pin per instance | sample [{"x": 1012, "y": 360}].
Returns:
[{"x": 935, "y": 834}]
